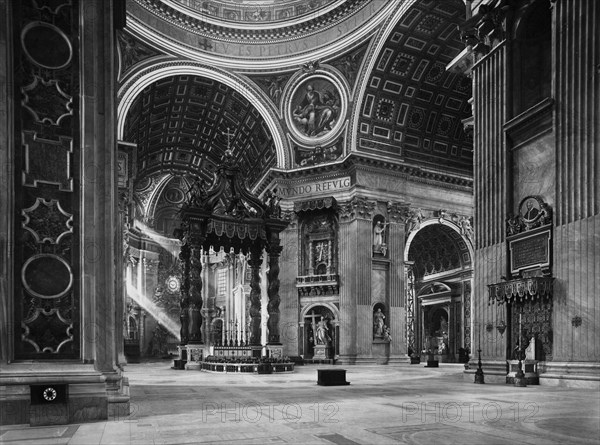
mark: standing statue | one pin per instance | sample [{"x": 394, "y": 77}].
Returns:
[
  {"x": 378, "y": 234},
  {"x": 272, "y": 200},
  {"x": 414, "y": 221},
  {"x": 466, "y": 229},
  {"x": 378, "y": 323},
  {"x": 322, "y": 333}
]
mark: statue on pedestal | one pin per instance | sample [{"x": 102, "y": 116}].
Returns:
[{"x": 322, "y": 333}]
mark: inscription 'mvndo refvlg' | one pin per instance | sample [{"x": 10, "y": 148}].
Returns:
[
  {"x": 316, "y": 187},
  {"x": 530, "y": 251}
]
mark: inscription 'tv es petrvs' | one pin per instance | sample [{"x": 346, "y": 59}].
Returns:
[{"x": 316, "y": 187}]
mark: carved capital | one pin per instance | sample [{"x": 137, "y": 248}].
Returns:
[{"x": 357, "y": 208}]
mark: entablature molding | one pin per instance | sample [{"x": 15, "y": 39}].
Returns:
[
  {"x": 364, "y": 162},
  {"x": 531, "y": 124}
]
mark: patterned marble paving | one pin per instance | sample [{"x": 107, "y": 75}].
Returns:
[{"x": 383, "y": 405}]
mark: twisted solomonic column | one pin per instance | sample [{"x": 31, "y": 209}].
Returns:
[
  {"x": 184, "y": 300},
  {"x": 273, "y": 293},
  {"x": 254, "y": 298},
  {"x": 195, "y": 294}
]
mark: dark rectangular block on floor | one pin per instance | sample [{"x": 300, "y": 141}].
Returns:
[{"x": 331, "y": 377}]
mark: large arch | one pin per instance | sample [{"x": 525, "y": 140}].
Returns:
[
  {"x": 438, "y": 273},
  {"x": 138, "y": 80}
]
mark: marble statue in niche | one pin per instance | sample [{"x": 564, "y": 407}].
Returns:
[
  {"x": 315, "y": 107},
  {"x": 379, "y": 235},
  {"x": 378, "y": 323}
]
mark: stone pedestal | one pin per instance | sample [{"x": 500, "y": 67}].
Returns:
[
  {"x": 195, "y": 354},
  {"x": 322, "y": 352},
  {"x": 381, "y": 351},
  {"x": 530, "y": 370},
  {"x": 275, "y": 350}
]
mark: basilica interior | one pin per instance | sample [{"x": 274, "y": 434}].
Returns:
[{"x": 279, "y": 187}]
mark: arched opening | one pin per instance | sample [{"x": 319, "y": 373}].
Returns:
[
  {"x": 319, "y": 329},
  {"x": 179, "y": 125},
  {"x": 439, "y": 293}
]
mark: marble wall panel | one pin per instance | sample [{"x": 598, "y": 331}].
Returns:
[
  {"x": 534, "y": 170},
  {"x": 577, "y": 270}
]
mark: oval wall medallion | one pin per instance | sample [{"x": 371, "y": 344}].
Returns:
[
  {"x": 46, "y": 45},
  {"x": 46, "y": 276},
  {"x": 174, "y": 195},
  {"x": 317, "y": 108}
]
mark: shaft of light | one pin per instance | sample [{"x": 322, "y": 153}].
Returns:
[{"x": 148, "y": 305}]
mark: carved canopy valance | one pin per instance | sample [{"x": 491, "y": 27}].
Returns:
[
  {"x": 521, "y": 289},
  {"x": 228, "y": 214},
  {"x": 315, "y": 204}
]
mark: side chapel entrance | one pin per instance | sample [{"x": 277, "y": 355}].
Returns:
[{"x": 439, "y": 272}]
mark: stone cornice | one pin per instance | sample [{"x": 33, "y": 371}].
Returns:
[{"x": 366, "y": 162}]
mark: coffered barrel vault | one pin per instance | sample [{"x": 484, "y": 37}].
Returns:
[{"x": 184, "y": 124}]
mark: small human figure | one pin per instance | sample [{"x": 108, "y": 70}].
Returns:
[
  {"x": 322, "y": 332},
  {"x": 378, "y": 233},
  {"x": 378, "y": 323}
]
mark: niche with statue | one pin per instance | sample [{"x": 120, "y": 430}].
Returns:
[{"x": 379, "y": 236}]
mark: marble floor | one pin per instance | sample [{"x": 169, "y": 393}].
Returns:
[{"x": 382, "y": 405}]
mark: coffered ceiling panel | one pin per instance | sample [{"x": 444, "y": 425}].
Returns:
[
  {"x": 412, "y": 106},
  {"x": 183, "y": 124}
]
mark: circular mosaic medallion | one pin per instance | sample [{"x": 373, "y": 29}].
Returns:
[
  {"x": 47, "y": 276},
  {"x": 46, "y": 45},
  {"x": 316, "y": 109}
]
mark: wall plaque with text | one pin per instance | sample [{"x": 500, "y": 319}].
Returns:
[{"x": 530, "y": 250}]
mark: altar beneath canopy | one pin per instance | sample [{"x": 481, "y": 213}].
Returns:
[{"x": 227, "y": 216}]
